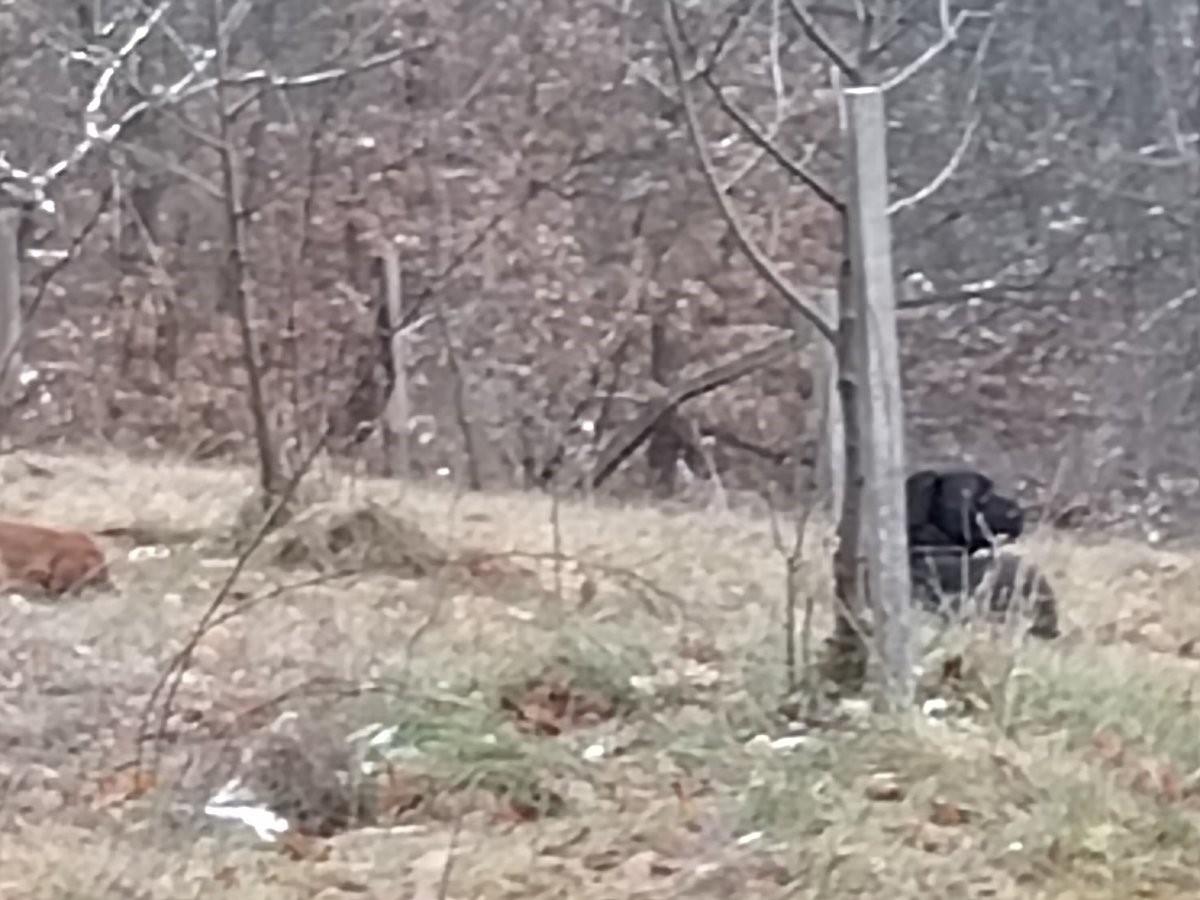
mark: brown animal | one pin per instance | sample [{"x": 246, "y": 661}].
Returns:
[{"x": 57, "y": 560}]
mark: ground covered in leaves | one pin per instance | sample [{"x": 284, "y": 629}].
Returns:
[{"x": 587, "y": 701}]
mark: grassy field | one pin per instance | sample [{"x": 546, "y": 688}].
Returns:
[{"x": 584, "y": 710}]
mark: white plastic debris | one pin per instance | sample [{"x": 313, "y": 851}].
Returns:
[
  {"x": 758, "y": 743},
  {"x": 935, "y": 708},
  {"x": 856, "y": 707},
  {"x": 701, "y": 675},
  {"x": 218, "y": 563},
  {"x": 790, "y": 742},
  {"x": 266, "y": 824},
  {"x": 149, "y": 551},
  {"x": 643, "y": 684},
  {"x": 594, "y": 752},
  {"x": 233, "y": 802},
  {"x": 761, "y": 743}
]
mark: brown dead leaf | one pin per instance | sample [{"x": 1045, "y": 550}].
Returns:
[
  {"x": 685, "y": 787},
  {"x": 303, "y": 847},
  {"x": 645, "y": 865},
  {"x": 952, "y": 668},
  {"x": 537, "y": 803},
  {"x": 226, "y": 876},
  {"x": 550, "y": 703},
  {"x": 1138, "y": 628},
  {"x": 1189, "y": 787},
  {"x": 587, "y": 593},
  {"x": 947, "y": 814},
  {"x": 120, "y": 786},
  {"x": 930, "y": 840},
  {"x": 1159, "y": 780},
  {"x": 883, "y": 787},
  {"x": 684, "y": 796},
  {"x": 397, "y": 793},
  {"x": 541, "y": 715},
  {"x": 1170, "y": 783},
  {"x": 603, "y": 860},
  {"x": 346, "y": 886},
  {"x": 517, "y": 811},
  {"x": 559, "y": 848},
  {"x": 700, "y": 650},
  {"x": 1154, "y": 636},
  {"x": 488, "y": 567},
  {"x": 1110, "y": 746}
]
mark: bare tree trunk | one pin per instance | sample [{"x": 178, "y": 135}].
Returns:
[
  {"x": 396, "y": 412},
  {"x": 846, "y": 664},
  {"x": 10, "y": 299},
  {"x": 460, "y": 400},
  {"x": 235, "y": 294},
  {"x": 664, "y": 447},
  {"x": 881, "y": 429},
  {"x": 460, "y": 391},
  {"x": 832, "y": 469}
]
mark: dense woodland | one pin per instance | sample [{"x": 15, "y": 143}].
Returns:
[{"x": 563, "y": 262}]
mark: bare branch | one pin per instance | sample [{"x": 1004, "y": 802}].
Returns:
[
  {"x": 762, "y": 264},
  {"x": 765, "y": 142},
  {"x": 941, "y": 177},
  {"x": 817, "y": 35},
  {"x": 100, "y": 88},
  {"x": 950, "y": 31},
  {"x": 964, "y": 141},
  {"x": 322, "y": 76},
  {"x": 779, "y": 90},
  {"x": 795, "y": 168},
  {"x": 631, "y": 436},
  {"x": 46, "y": 279},
  {"x": 103, "y": 136},
  {"x": 183, "y": 89}
]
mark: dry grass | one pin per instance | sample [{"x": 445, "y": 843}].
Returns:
[{"x": 1062, "y": 771}]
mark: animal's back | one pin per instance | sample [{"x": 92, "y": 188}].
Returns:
[{"x": 56, "y": 560}]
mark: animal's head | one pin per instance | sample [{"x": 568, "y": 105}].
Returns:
[
  {"x": 1000, "y": 517},
  {"x": 969, "y": 511}
]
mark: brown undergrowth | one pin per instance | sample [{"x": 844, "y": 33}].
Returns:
[{"x": 592, "y": 715}]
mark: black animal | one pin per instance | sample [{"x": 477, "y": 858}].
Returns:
[
  {"x": 959, "y": 509},
  {"x": 955, "y": 520},
  {"x": 943, "y": 577}
]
